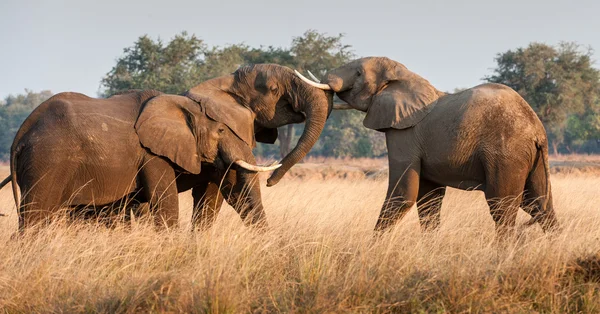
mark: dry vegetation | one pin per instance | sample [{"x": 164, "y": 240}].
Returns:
[{"x": 318, "y": 255}]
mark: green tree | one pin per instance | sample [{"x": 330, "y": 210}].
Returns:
[
  {"x": 560, "y": 84},
  {"x": 13, "y": 111},
  {"x": 149, "y": 64},
  {"x": 319, "y": 53}
]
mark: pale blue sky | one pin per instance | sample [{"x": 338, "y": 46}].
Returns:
[{"x": 68, "y": 45}]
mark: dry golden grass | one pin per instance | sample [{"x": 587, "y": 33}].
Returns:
[{"x": 318, "y": 255}]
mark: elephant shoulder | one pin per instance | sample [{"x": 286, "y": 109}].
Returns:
[
  {"x": 484, "y": 95},
  {"x": 60, "y": 105},
  {"x": 493, "y": 90},
  {"x": 69, "y": 96}
]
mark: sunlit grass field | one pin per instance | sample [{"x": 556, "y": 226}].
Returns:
[{"x": 318, "y": 255}]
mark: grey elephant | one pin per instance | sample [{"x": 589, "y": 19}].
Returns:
[
  {"x": 253, "y": 102},
  {"x": 484, "y": 138},
  {"x": 75, "y": 151}
]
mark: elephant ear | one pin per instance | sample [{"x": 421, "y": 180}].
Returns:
[
  {"x": 165, "y": 127},
  {"x": 401, "y": 104},
  {"x": 225, "y": 109},
  {"x": 266, "y": 135}
]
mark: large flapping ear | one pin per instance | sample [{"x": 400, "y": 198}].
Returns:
[
  {"x": 165, "y": 127},
  {"x": 225, "y": 109},
  {"x": 404, "y": 102}
]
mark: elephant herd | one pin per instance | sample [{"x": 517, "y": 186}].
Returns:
[{"x": 142, "y": 146}]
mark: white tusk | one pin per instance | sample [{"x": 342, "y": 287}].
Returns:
[
  {"x": 313, "y": 77},
  {"x": 250, "y": 167},
  {"x": 309, "y": 82},
  {"x": 342, "y": 106}
]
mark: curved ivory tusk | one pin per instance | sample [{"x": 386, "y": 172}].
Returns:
[
  {"x": 250, "y": 167},
  {"x": 342, "y": 106},
  {"x": 309, "y": 82},
  {"x": 313, "y": 77}
]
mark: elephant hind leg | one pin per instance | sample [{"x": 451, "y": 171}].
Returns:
[
  {"x": 504, "y": 193},
  {"x": 39, "y": 203},
  {"x": 429, "y": 204},
  {"x": 402, "y": 192},
  {"x": 535, "y": 201}
]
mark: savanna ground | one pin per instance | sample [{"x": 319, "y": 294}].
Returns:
[{"x": 318, "y": 255}]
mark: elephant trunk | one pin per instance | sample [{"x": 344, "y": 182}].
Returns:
[{"x": 316, "y": 115}]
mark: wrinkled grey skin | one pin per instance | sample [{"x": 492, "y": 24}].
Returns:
[
  {"x": 485, "y": 138},
  {"x": 142, "y": 146},
  {"x": 254, "y": 101}
]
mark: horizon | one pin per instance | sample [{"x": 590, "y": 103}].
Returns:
[{"x": 71, "y": 46}]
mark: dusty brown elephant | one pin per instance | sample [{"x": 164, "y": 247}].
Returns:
[
  {"x": 253, "y": 102},
  {"x": 485, "y": 138},
  {"x": 75, "y": 151}
]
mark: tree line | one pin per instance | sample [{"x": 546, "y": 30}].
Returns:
[{"x": 559, "y": 82}]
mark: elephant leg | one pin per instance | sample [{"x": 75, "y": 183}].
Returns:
[
  {"x": 429, "y": 204},
  {"x": 36, "y": 207},
  {"x": 402, "y": 192},
  {"x": 160, "y": 189},
  {"x": 242, "y": 191},
  {"x": 504, "y": 192},
  {"x": 535, "y": 201},
  {"x": 207, "y": 204},
  {"x": 41, "y": 198}
]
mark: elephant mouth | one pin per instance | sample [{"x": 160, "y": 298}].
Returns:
[{"x": 344, "y": 95}]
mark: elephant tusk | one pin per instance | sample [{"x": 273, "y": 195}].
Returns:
[
  {"x": 311, "y": 83},
  {"x": 313, "y": 77},
  {"x": 250, "y": 167}
]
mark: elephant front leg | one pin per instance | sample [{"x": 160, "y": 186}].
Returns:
[
  {"x": 207, "y": 204},
  {"x": 160, "y": 189},
  {"x": 429, "y": 204},
  {"x": 402, "y": 192},
  {"x": 243, "y": 194}
]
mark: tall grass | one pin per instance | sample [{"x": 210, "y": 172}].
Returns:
[{"x": 318, "y": 255}]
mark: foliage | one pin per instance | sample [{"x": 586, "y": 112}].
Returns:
[
  {"x": 345, "y": 136},
  {"x": 149, "y": 64},
  {"x": 560, "y": 84},
  {"x": 13, "y": 111}
]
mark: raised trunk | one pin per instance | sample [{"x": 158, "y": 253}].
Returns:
[{"x": 316, "y": 114}]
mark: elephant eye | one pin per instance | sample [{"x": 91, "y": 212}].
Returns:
[
  {"x": 273, "y": 88},
  {"x": 358, "y": 73},
  {"x": 221, "y": 130}
]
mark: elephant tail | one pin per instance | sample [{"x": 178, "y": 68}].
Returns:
[
  {"x": 5, "y": 181},
  {"x": 543, "y": 151},
  {"x": 13, "y": 176},
  {"x": 538, "y": 184},
  {"x": 2, "y": 184}
]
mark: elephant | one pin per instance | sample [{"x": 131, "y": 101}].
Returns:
[
  {"x": 140, "y": 146},
  {"x": 253, "y": 102},
  {"x": 484, "y": 138}
]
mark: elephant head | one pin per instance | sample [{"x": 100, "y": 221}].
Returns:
[
  {"x": 255, "y": 100},
  {"x": 178, "y": 128},
  {"x": 390, "y": 94}
]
